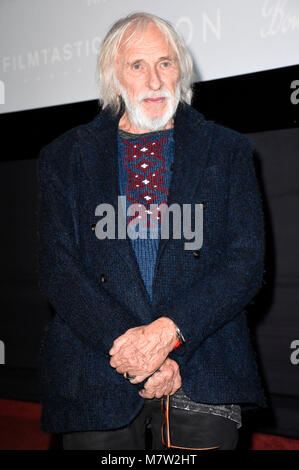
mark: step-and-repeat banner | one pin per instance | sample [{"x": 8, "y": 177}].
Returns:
[{"x": 48, "y": 47}]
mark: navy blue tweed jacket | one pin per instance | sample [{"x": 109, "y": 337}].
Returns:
[{"x": 96, "y": 289}]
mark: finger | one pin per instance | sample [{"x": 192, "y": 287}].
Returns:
[
  {"x": 168, "y": 380},
  {"x": 114, "y": 363},
  {"x": 155, "y": 390},
  {"x": 125, "y": 365},
  {"x": 150, "y": 393},
  {"x": 148, "y": 362},
  {"x": 146, "y": 394},
  {"x": 169, "y": 387},
  {"x": 174, "y": 388},
  {"x": 177, "y": 384},
  {"x": 141, "y": 369},
  {"x": 133, "y": 363},
  {"x": 138, "y": 379},
  {"x": 163, "y": 381},
  {"x": 122, "y": 370},
  {"x": 154, "y": 381},
  {"x": 120, "y": 341},
  {"x": 137, "y": 374},
  {"x": 124, "y": 357},
  {"x": 118, "y": 362},
  {"x": 151, "y": 387},
  {"x": 159, "y": 394},
  {"x": 166, "y": 388},
  {"x": 128, "y": 351}
]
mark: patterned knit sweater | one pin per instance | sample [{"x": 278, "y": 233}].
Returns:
[{"x": 145, "y": 163}]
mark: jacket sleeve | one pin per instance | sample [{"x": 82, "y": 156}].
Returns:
[
  {"x": 231, "y": 284},
  {"x": 91, "y": 313}
]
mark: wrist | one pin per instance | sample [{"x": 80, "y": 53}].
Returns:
[
  {"x": 176, "y": 336},
  {"x": 171, "y": 330}
]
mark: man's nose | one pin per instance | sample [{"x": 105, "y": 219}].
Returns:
[{"x": 154, "y": 81}]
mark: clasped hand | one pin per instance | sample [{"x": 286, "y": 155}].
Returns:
[{"x": 142, "y": 351}]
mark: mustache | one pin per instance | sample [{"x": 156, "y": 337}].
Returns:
[{"x": 153, "y": 94}]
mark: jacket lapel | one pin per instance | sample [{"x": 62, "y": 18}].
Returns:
[
  {"x": 101, "y": 166},
  {"x": 100, "y": 163},
  {"x": 191, "y": 152}
]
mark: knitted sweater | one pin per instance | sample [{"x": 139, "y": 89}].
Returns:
[{"x": 145, "y": 163}]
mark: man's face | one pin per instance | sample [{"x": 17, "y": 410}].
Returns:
[{"x": 147, "y": 72}]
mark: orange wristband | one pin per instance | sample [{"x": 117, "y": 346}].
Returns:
[{"x": 177, "y": 344}]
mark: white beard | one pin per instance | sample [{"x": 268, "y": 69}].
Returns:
[{"x": 137, "y": 115}]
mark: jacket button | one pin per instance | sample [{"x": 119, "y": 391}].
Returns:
[
  {"x": 196, "y": 254},
  {"x": 103, "y": 278},
  {"x": 93, "y": 227},
  {"x": 171, "y": 167}
]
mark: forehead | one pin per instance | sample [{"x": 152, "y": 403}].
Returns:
[{"x": 150, "y": 42}]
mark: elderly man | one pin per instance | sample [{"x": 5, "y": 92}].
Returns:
[{"x": 141, "y": 321}]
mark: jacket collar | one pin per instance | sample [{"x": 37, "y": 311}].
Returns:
[{"x": 191, "y": 144}]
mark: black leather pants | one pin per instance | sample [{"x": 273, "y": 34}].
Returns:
[{"x": 188, "y": 429}]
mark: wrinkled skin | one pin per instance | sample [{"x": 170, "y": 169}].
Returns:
[
  {"x": 141, "y": 351},
  {"x": 166, "y": 381}
]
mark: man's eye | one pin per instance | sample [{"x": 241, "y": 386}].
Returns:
[
  {"x": 136, "y": 66},
  {"x": 165, "y": 64}
]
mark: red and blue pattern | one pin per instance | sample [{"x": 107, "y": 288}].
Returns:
[{"x": 144, "y": 163}]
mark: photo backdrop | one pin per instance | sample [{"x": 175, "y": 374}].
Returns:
[{"x": 48, "y": 47}]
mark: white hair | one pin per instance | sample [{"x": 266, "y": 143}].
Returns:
[{"x": 106, "y": 82}]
